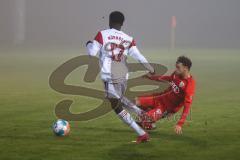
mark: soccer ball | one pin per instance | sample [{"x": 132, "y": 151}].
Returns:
[{"x": 61, "y": 127}]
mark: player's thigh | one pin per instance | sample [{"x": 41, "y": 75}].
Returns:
[
  {"x": 145, "y": 101},
  {"x": 113, "y": 90}
]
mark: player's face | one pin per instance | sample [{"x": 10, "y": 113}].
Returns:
[{"x": 180, "y": 69}]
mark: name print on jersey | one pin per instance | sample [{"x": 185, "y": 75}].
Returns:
[{"x": 117, "y": 50}]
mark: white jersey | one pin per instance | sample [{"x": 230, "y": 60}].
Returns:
[{"x": 114, "y": 46}]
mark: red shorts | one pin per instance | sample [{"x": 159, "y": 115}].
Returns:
[{"x": 150, "y": 102}]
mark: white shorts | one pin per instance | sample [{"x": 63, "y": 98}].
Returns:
[{"x": 115, "y": 90}]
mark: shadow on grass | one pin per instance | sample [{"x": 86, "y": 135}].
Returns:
[
  {"x": 187, "y": 140},
  {"x": 131, "y": 151},
  {"x": 160, "y": 146},
  {"x": 161, "y": 136}
]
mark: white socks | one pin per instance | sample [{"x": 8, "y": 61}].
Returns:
[
  {"x": 137, "y": 110},
  {"x": 126, "y": 117},
  {"x": 131, "y": 106}
]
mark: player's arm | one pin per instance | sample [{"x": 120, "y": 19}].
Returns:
[
  {"x": 93, "y": 47},
  {"x": 159, "y": 78},
  {"x": 189, "y": 92},
  {"x": 135, "y": 53}
]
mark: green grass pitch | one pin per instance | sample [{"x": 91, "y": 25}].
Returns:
[{"x": 27, "y": 111}]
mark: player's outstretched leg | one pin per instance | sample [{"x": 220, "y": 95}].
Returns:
[
  {"x": 127, "y": 118},
  {"x": 131, "y": 106},
  {"x": 146, "y": 103},
  {"x": 153, "y": 115}
]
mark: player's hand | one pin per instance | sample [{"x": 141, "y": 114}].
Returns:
[
  {"x": 145, "y": 76},
  {"x": 148, "y": 75},
  {"x": 178, "y": 129}
]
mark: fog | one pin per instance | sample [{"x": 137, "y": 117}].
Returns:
[{"x": 200, "y": 23}]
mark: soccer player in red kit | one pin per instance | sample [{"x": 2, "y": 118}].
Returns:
[{"x": 178, "y": 95}]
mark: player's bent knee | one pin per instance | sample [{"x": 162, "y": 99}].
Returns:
[{"x": 116, "y": 105}]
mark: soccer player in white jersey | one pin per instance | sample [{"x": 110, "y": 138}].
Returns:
[{"x": 113, "y": 46}]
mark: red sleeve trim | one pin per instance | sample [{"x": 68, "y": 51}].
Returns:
[
  {"x": 133, "y": 43},
  {"x": 99, "y": 38}
]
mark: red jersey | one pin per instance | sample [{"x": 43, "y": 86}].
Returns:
[{"x": 179, "y": 94}]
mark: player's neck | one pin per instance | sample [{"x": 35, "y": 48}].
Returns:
[
  {"x": 116, "y": 27},
  {"x": 186, "y": 75}
]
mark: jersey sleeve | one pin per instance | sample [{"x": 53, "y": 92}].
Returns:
[
  {"x": 135, "y": 53},
  {"x": 99, "y": 38},
  {"x": 94, "y": 47},
  {"x": 162, "y": 78},
  {"x": 189, "y": 93},
  {"x": 132, "y": 44}
]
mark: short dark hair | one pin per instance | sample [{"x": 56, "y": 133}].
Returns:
[
  {"x": 185, "y": 61},
  {"x": 116, "y": 17}
]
